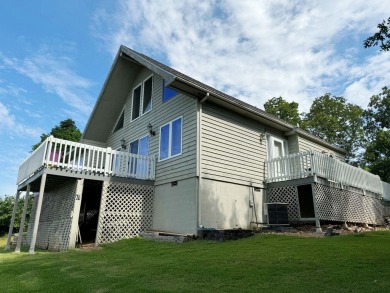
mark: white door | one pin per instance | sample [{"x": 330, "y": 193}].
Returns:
[{"x": 277, "y": 149}]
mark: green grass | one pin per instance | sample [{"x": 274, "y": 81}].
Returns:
[{"x": 267, "y": 262}]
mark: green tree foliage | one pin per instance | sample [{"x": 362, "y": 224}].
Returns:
[
  {"x": 6, "y": 209},
  {"x": 381, "y": 38},
  {"x": 377, "y": 126},
  {"x": 377, "y": 155},
  {"x": 67, "y": 129},
  {"x": 377, "y": 114},
  {"x": 283, "y": 109},
  {"x": 337, "y": 122}
]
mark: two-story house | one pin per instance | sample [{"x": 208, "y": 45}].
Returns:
[{"x": 162, "y": 151}]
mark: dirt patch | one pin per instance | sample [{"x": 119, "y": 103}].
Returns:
[{"x": 327, "y": 230}]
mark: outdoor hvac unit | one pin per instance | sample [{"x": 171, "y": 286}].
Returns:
[{"x": 276, "y": 213}]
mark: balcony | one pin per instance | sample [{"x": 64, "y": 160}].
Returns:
[
  {"x": 312, "y": 163},
  {"x": 81, "y": 158}
]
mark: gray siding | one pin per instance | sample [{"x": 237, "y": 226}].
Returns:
[
  {"x": 293, "y": 145},
  {"x": 230, "y": 147},
  {"x": 177, "y": 168},
  {"x": 305, "y": 145}
]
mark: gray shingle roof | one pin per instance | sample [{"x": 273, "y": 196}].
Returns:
[{"x": 176, "y": 75}]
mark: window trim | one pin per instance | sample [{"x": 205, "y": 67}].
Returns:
[
  {"x": 270, "y": 141},
  {"x": 138, "y": 143},
  {"x": 132, "y": 102},
  {"x": 170, "y": 140},
  {"x": 142, "y": 95}
]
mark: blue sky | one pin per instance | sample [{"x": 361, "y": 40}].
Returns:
[{"x": 55, "y": 55}]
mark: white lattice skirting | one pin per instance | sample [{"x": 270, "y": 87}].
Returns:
[
  {"x": 333, "y": 204},
  {"x": 289, "y": 195},
  {"x": 56, "y": 217},
  {"x": 126, "y": 210}
]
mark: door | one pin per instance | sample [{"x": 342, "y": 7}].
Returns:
[
  {"x": 277, "y": 149},
  {"x": 139, "y": 166}
]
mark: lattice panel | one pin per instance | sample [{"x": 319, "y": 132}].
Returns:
[
  {"x": 56, "y": 217},
  {"x": 335, "y": 204},
  {"x": 289, "y": 195},
  {"x": 126, "y": 210},
  {"x": 387, "y": 211}
]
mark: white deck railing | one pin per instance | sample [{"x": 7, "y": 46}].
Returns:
[
  {"x": 311, "y": 163},
  {"x": 63, "y": 154}
]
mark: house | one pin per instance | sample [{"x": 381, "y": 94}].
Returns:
[{"x": 163, "y": 151}]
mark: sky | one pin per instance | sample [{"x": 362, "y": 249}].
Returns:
[{"x": 55, "y": 55}]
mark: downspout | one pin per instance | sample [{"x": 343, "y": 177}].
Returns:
[{"x": 199, "y": 155}]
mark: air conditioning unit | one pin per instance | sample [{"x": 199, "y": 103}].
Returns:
[{"x": 277, "y": 213}]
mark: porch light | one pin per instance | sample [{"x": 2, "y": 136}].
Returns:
[
  {"x": 123, "y": 143},
  {"x": 262, "y": 137},
  {"x": 150, "y": 129}
]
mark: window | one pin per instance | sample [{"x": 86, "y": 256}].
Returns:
[
  {"x": 171, "y": 139},
  {"x": 168, "y": 93},
  {"x": 136, "y": 102},
  {"x": 147, "y": 100},
  {"x": 139, "y": 166},
  {"x": 119, "y": 123},
  {"x": 142, "y": 98}
]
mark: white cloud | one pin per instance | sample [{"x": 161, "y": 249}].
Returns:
[
  {"x": 54, "y": 74},
  {"x": 10, "y": 125},
  {"x": 254, "y": 50}
]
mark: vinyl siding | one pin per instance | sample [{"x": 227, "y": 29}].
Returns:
[
  {"x": 293, "y": 145},
  {"x": 177, "y": 168},
  {"x": 305, "y": 145},
  {"x": 230, "y": 147}
]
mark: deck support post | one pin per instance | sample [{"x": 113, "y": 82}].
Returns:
[
  {"x": 37, "y": 213},
  {"x": 74, "y": 230},
  {"x": 11, "y": 225},
  {"x": 22, "y": 220},
  {"x": 318, "y": 224}
]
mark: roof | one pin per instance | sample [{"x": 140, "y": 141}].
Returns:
[{"x": 195, "y": 88}]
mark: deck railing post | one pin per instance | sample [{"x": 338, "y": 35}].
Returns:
[{"x": 107, "y": 167}]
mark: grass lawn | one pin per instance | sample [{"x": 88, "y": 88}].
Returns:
[{"x": 268, "y": 262}]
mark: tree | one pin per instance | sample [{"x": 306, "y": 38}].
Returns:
[
  {"x": 378, "y": 110},
  {"x": 67, "y": 130},
  {"x": 377, "y": 155},
  {"x": 6, "y": 209},
  {"x": 382, "y": 37},
  {"x": 377, "y": 125},
  {"x": 283, "y": 109},
  {"x": 338, "y": 122}
]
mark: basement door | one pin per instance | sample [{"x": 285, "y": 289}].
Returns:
[{"x": 89, "y": 211}]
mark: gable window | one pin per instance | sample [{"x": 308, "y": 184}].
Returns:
[
  {"x": 168, "y": 93},
  {"x": 142, "y": 98},
  {"x": 119, "y": 123},
  {"x": 171, "y": 139}
]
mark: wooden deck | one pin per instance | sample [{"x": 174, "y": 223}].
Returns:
[{"x": 58, "y": 154}]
